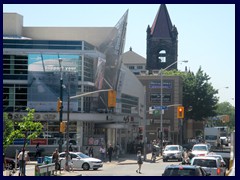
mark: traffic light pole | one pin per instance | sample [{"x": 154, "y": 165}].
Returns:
[
  {"x": 181, "y": 135},
  {"x": 161, "y": 102},
  {"x": 61, "y": 109},
  {"x": 161, "y": 114}
]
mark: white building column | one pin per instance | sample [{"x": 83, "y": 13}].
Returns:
[{"x": 79, "y": 135}]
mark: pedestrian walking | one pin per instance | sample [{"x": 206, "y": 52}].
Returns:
[
  {"x": 69, "y": 160},
  {"x": 90, "y": 152},
  {"x": 22, "y": 158},
  {"x": 139, "y": 162},
  {"x": 102, "y": 151},
  {"x": 70, "y": 148},
  {"x": 110, "y": 152},
  {"x": 117, "y": 151},
  {"x": 55, "y": 159}
]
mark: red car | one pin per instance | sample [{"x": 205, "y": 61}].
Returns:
[{"x": 10, "y": 163}]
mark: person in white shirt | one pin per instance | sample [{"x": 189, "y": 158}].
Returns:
[{"x": 22, "y": 158}]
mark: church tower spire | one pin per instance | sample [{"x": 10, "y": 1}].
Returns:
[{"x": 161, "y": 41}]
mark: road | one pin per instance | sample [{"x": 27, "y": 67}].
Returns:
[{"x": 112, "y": 169}]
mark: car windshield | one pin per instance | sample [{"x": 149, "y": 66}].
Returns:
[
  {"x": 179, "y": 172},
  {"x": 205, "y": 162},
  {"x": 82, "y": 155},
  {"x": 171, "y": 148},
  {"x": 199, "y": 148}
]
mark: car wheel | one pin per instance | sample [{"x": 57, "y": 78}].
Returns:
[
  {"x": 85, "y": 166},
  {"x": 9, "y": 166},
  {"x": 164, "y": 160}
]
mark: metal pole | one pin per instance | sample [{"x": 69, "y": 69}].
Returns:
[
  {"x": 181, "y": 139},
  {"x": 144, "y": 124},
  {"x": 61, "y": 109},
  {"x": 161, "y": 113},
  {"x": 68, "y": 109},
  {"x": 161, "y": 103}
]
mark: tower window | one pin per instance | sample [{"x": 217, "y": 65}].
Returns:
[{"x": 162, "y": 56}]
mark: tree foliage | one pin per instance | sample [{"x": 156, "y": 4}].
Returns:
[
  {"x": 8, "y": 127},
  {"x": 199, "y": 96},
  {"x": 27, "y": 129},
  {"x": 225, "y": 108}
]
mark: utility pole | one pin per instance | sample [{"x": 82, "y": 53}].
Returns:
[
  {"x": 61, "y": 108},
  {"x": 144, "y": 125}
]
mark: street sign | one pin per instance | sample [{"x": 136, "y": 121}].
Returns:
[{"x": 160, "y": 107}]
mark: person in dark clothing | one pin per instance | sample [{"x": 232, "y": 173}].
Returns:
[
  {"x": 90, "y": 152},
  {"x": 139, "y": 162},
  {"x": 70, "y": 148},
  {"x": 110, "y": 152},
  {"x": 55, "y": 159},
  {"x": 38, "y": 152}
]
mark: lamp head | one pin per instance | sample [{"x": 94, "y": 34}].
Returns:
[{"x": 60, "y": 61}]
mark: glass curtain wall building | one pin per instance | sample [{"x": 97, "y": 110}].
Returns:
[{"x": 31, "y": 78}]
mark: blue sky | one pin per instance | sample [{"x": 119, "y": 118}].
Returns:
[{"x": 206, "y": 32}]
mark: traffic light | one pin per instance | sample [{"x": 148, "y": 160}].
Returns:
[
  {"x": 62, "y": 127},
  {"x": 59, "y": 105},
  {"x": 180, "y": 112},
  {"x": 140, "y": 133},
  {"x": 112, "y": 95},
  {"x": 140, "y": 130}
]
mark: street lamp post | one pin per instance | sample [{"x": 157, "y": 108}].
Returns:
[
  {"x": 67, "y": 145},
  {"x": 161, "y": 102},
  {"x": 61, "y": 109}
]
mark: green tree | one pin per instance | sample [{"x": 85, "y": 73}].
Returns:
[
  {"x": 225, "y": 108},
  {"x": 199, "y": 96},
  {"x": 8, "y": 128},
  {"x": 27, "y": 129}
]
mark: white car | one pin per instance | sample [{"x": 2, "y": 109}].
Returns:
[
  {"x": 219, "y": 157},
  {"x": 200, "y": 150},
  {"x": 81, "y": 161},
  {"x": 173, "y": 152},
  {"x": 211, "y": 165},
  {"x": 224, "y": 140}
]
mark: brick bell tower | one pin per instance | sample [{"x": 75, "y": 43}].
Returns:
[{"x": 162, "y": 42}]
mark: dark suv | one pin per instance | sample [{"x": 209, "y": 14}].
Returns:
[{"x": 184, "y": 170}]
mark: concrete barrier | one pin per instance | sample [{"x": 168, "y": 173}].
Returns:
[{"x": 45, "y": 170}]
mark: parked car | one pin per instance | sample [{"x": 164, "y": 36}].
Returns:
[
  {"x": 212, "y": 165},
  {"x": 184, "y": 170},
  {"x": 172, "y": 152},
  {"x": 200, "y": 150},
  {"x": 81, "y": 161},
  {"x": 10, "y": 163}
]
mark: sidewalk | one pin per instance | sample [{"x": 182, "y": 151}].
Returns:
[{"x": 124, "y": 159}]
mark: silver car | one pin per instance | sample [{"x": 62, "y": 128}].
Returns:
[
  {"x": 81, "y": 161},
  {"x": 212, "y": 165},
  {"x": 173, "y": 152}
]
